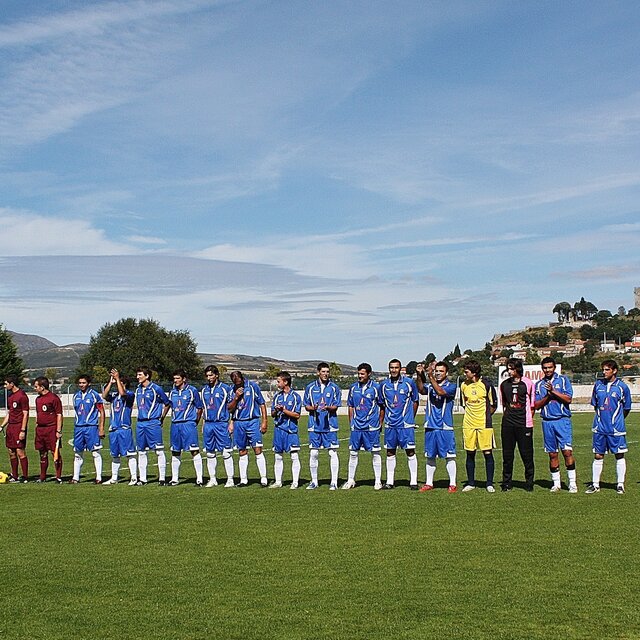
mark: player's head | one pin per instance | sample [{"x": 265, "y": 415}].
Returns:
[
  {"x": 472, "y": 369},
  {"x": 394, "y": 367},
  {"x": 323, "y": 372},
  {"x": 126, "y": 383},
  {"x": 10, "y": 382},
  {"x": 364, "y": 372},
  {"x": 212, "y": 373},
  {"x": 41, "y": 384},
  {"x": 441, "y": 370},
  {"x": 609, "y": 369},
  {"x": 283, "y": 379},
  {"x": 237, "y": 378},
  {"x": 83, "y": 381},
  {"x": 515, "y": 367},
  {"x": 143, "y": 374},
  {"x": 548, "y": 366}
]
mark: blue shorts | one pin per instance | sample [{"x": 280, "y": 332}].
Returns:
[
  {"x": 285, "y": 442},
  {"x": 404, "y": 438},
  {"x": 557, "y": 435},
  {"x": 184, "y": 436},
  {"x": 216, "y": 436},
  {"x": 149, "y": 435},
  {"x": 86, "y": 439},
  {"x": 439, "y": 443},
  {"x": 121, "y": 442},
  {"x": 603, "y": 442},
  {"x": 246, "y": 433},
  {"x": 364, "y": 440},
  {"x": 323, "y": 440}
]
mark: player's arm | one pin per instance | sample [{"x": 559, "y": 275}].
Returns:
[
  {"x": 100, "y": 408},
  {"x": 107, "y": 389},
  {"x": 350, "y": 415},
  {"x": 492, "y": 398},
  {"x": 115, "y": 375},
  {"x": 421, "y": 380},
  {"x": 437, "y": 387},
  {"x": 238, "y": 393},
  {"x": 263, "y": 418},
  {"x": 25, "y": 418},
  {"x": 308, "y": 401}
]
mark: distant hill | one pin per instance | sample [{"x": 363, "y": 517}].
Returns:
[{"x": 27, "y": 342}]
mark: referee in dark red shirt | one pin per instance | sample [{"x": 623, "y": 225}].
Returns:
[{"x": 16, "y": 421}]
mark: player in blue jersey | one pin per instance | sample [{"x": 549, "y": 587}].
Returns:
[
  {"x": 216, "y": 437},
  {"x": 249, "y": 424},
  {"x": 88, "y": 430},
  {"x": 439, "y": 438},
  {"x": 554, "y": 394},
  {"x": 285, "y": 411},
  {"x": 186, "y": 411},
  {"x": 399, "y": 396},
  {"x": 322, "y": 397},
  {"x": 120, "y": 433},
  {"x": 365, "y": 418},
  {"x": 153, "y": 405},
  {"x": 611, "y": 400}
]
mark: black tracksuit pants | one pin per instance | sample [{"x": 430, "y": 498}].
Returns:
[{"x": 523, "y": 437}]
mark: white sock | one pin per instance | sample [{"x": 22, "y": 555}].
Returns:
[
  {"x": 334, "y": 463},
  {"x": 571, "y": 475},
  {"x": 133, "y": 468},
  {"x": 78, "y": 460},
  {"x": 555, "y": 476},
  {"x": 313, "y": 465},
  {"x": 115, "y": 468},
  {"x": 97, "y": 463},
  {"x": 295, "y": 467},
  {"x": 227, "y": 458},
  {"x": 243, "y": 465},
  {"x": 412, "y": 461},
  {"x": 162, "y": 465},
  {"x": 278, "y": 468},
  {"x": 175, "y": 468},
  {"x": 353, "y": 465},
  {"x": 143, "y": 461},
  {"x": 597, "y": 471},
  {"x": 391, "y": 469},
  {"x": 261, "y": 462},
  {"x": 376, "y": 460},
  {"x": 451, "y": 470},
  {"x": 621, "y": 469},
  {"x": 431, "y": 470},
  {"x": 212, "y": 463},
  {"x": 197, "y": 465}
]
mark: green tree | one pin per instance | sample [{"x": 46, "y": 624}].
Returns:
[
  {"x": 560, "y": 335},
  {"x": 634, "y": 312},
  {"x": 335, "y": 370},
  {"x": 130, "y": 343},
  {"x": 563, "y": 309},
  {"x": 51, "y": 373},
  {"x": 271, "y": 372},
  {"x": 456, "y": 353},
  {"x": 532, "y": 357},
  {"x": 10, "y": 362},
  {"x": 429, "y": 358}
]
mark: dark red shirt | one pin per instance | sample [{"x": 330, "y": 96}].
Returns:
[
  {"x": 18, "y": 402},
  {"x": 48, "y": 408}
]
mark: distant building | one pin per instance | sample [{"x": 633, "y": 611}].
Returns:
[{"x": 636, "y": 297}]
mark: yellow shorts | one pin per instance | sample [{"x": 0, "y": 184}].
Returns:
[{"x": 478, "y": 439}]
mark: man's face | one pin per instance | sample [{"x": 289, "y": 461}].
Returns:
[
  {"x": 363, "y": 376},
  {"x": 440, "y": 373},
  {"x": 212, "y": 377},
  {"x": 141, "y": 377},
  {"x": 281, "y": 382},
  {"x": 548, "y": 368},
  {"x": 237, "y": 380},
  {"x": 39, "y": 389},
  {"x": 83, "y": 384},
  {"x": 609, "y": 372},
  {"x": 179, "y": 381},
  {"x": 8, "y": 385},
  {"x": 469, "y": 375},
  {"x": 323, "y": 375},
  {"x": 394, "y": 369},
  {"x": 512, "y": 372}
]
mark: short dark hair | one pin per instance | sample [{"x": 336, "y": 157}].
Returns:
[
  {"x": 179, "y": 372},
  {"x": 366, "y": 366},
  {"x": 125, "y": 381},
  {"x": 212, "y": 369},
  {"x": 473, "y": 366},
  {"x": 323, "y": 365},
  {"x": 83, "y": 376},
  {"x": 145, "y": 370},
  {"x": 11, "y": 379},
  {"x": 442, "y": 363},
  {"x": 285, "y": 375},
  {"x": 612, "y": 364},
  {"x": 237, "y": 374},
  {"x": 516, "y": 364},
  {"x": 394, "y": 360},
  {"x": 42, "y": 381},
  {"x": 548, "y": 360}
]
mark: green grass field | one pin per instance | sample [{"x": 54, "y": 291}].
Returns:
[{"x": 181, "y": 562}]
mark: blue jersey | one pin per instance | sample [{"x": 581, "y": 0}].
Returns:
[
  {"x": 365, "y": 402},
  {"x": 121, "y": 407},
  {"x": 86, "y": 407},
  {"x": 150, "y": 400},
  {"x": 554, "y": 409},
  {"x": 185, "y": 403},
  {"x": 398, "y": 398},
  {"x": 291, "y": 402},
  {"x": 215, "y": 400},
  {"x": 438, "y": 413},
  {"x": 248, "y": 406},
  {"x": 321, "y": 420},
  {"x": 610, "y": 402}
]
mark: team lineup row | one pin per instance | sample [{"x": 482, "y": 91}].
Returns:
[{"x": 236, "y": 415}]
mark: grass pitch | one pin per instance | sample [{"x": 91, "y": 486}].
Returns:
[{"x": 181, "y": 562}]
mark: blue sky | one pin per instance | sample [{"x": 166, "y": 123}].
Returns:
[{"x": 336, "y": 180}]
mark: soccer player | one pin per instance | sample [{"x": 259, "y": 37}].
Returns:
[
  {"x": 216, "y": 434},
  {"x": 285, "y": 411},
  {"x": 121, "y": 443},
  {"x": 151, "y": 401},
  {"x": 480, "y": 403},
  {"x": 249, "y": 415},
  {"x": 439, "y": 439},
  {"x": 365, "y": 418},
  {"x": 16, "y": 421},
  {"x": 611, "y": 400},
  {"x": 399, "y": 396},
  {"x": 186, "y": 411},
  {"x": 322, "y": 397},
  {"x": 554, "y": 394},
  {"x": 48, "y": 428},
  {"x": 518, "y": 404},
  {"x": 88, "y": 431}
]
